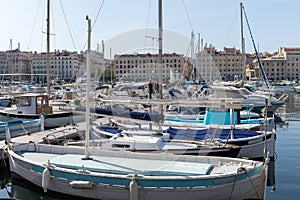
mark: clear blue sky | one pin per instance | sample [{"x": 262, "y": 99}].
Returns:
[{"x": 274, "y": 23}]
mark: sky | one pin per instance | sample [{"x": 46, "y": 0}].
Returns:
[{"x": 125, "y": 25}]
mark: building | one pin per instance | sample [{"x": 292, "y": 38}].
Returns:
[
  {"x": 145, "y": 67},
  {"x": 224, "y": 65},
  {"x": 63, "y": 66},
  {"x": 100, "y": 68},
  {"x": 15, "y": 65},
  {"x": 282, "y": 65}
]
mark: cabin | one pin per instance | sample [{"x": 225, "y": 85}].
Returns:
[{"x": 31, "y": 103}]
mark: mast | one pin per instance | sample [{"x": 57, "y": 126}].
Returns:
[
  {"x": 160, "y": 35},
  {"x": 242, "y": 44},
  {"x": 48, "y": 48},
  {"x": 87, "y": 102},
  {"x": 193, "y": 54}
]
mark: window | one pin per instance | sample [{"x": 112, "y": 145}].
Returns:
[{"x": 23, "y": 101}]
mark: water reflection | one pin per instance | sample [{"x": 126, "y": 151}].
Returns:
[
  {"x": 5, "y": 180},
  {"x": 271, "y": 175}
]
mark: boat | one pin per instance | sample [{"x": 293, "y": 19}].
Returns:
[
  {"x": 252, "y": 144},
  {"x": 31, "y": 106},
  {"x": 297, "y": 88},
  {"x": 156, "y": 142},
  {"x": 256, "y": 99},
  {"x": 222, "y": 125},
  {"x": 16, "y": 128},
  {"x": 186, "y": 117},
  {"x": 130, "y": 175}
]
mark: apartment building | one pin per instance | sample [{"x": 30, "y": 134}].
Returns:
[
  {"x": 282, "y": 65},
  {"x": 15, "y": 65},
  {"x": 227, "y": 65},
  {"x": 219, "y": 65},
  {"x": 145, "y": 67},
  {"x": 63, "y": 66}
]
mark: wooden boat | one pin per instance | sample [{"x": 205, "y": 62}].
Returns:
[
  {"x": 16, "y": 128},
  {"x": 32, "y": 105},
  {"x": 129, "y": 175}
]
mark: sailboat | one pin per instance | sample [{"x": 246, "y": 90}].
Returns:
[{"x": 101, "y": 174}]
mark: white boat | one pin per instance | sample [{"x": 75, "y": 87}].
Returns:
[
  {"x": 297, "y": 88},
  {"x": 155, "y": 142},
  {"x": 129, "y": 175},
  {"x": 251, "y": 135},
  {"x": 251, "y": 143},
  {"x": 32, "y": 105}
]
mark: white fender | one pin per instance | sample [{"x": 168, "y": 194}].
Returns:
[
  {"x": 7, "y": 133},
  {"x": 82, "y": 184},
  {"x": 42, "y": 122},
  {"x": 46, "y": 179},
  {"x": 133, "y": 187}
]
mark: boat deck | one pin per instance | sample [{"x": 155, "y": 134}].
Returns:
[{"x": 121, "y": 165}]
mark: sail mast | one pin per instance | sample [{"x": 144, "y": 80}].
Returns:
[
  {"x": 160, "y": 33},
  {"x": 243, "y": 45},
  {"x": 87, "y": 100},
  {"x": 48, "y": 48},
  {"x": 160, "y": 63}
]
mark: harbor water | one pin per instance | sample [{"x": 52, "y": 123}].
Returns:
[{"x": 284, "y": 176}]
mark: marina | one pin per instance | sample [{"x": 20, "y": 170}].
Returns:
[
  {"x": 141, "y": 126},
  {"x": 286, "y": 142}
]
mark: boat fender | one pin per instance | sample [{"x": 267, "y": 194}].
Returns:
[
  {"x": 43, "y": 114},
  {"x": 46, "y": 179},
  {"x": 133, "y": 186},
  {"x": 7, "y": 134},
  {"x": 166, "y": 137},
  {"x": 82, "y": 184}
]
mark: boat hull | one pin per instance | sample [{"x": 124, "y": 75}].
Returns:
[
  {"x": 19, "y": 127},
  {"x": 50, "y": 120}
]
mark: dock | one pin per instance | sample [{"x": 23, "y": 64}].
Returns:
[{"x": 56, "y": 136}]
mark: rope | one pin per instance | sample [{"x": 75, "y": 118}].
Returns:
[
  {"x": 256, "y": 53},
  {"x": 239, "y": 170},
  {"x": 251, "y": 181},
  {"x": 33, "y": 27},
  {"x": 68, "y": 25},
  {"x": 187, "y": 14}
]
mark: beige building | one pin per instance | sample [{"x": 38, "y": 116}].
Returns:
[
  {"x": 15, "y": 65},
  {"x": 63, "y": 66},
  {"x": 283, "y": 65},
  {"x": 145, "y": 67},
  {"x": 224, "y": 65}
]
